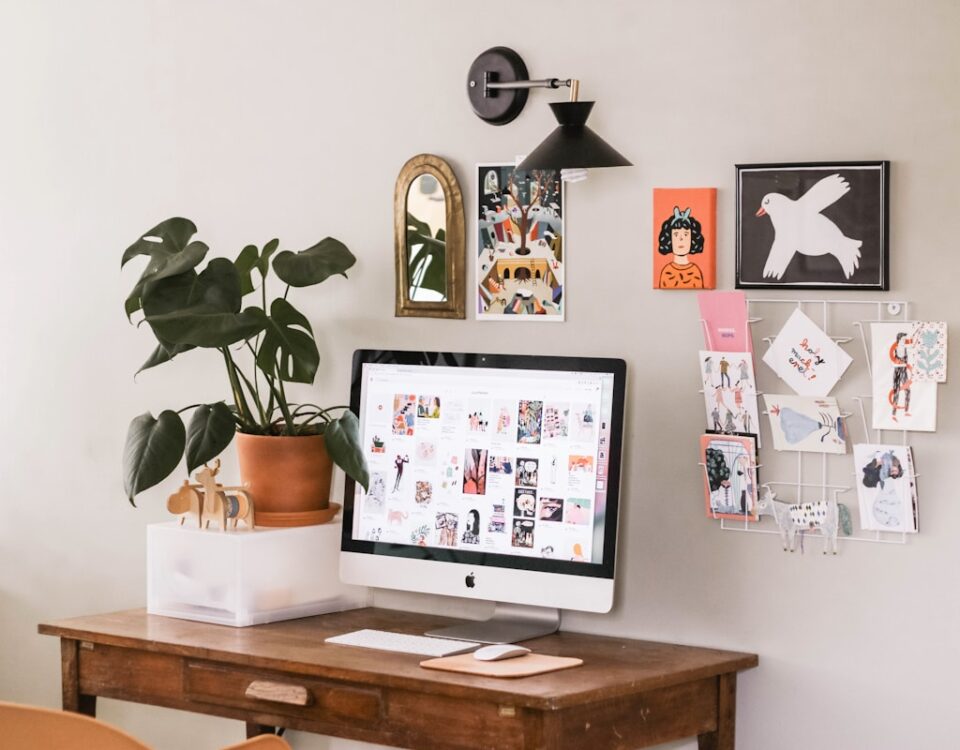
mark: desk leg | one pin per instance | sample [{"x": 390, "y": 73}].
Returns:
[
  {"x": 73, "y": 699},
  {"x": 723, "y": 737}
]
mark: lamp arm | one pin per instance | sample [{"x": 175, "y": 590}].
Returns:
[{"x": 542, "y": 83}]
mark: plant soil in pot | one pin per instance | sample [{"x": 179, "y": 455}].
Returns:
[{"x": 288, "y": 478}]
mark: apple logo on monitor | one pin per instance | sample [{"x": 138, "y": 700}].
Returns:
[{"x": 470, "y": 580}]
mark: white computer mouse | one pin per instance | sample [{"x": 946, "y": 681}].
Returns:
[{"x": 500, "y": 651}]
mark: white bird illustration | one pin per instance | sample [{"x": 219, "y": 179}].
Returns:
[{"x": 799, "y": 227}]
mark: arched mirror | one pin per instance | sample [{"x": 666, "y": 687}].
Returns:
[{"x": 429, "y": 240}]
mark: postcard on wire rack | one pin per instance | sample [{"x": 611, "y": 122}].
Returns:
[
  {"x": 928, "y": 351},
  {"x": 900, "y": 400},
  {"x": 805, "y": 357},
  {"x": 725, "y": 325},
  {"x": 886, "y": 488},
  {"x": 729, "y": 391},
  {"x": 806, "y": 423},
  {"x": 729, "y": 464}
]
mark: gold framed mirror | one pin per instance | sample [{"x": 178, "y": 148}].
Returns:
[{"x": 429, "y": 240}]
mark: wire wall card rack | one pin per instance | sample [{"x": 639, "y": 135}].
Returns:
[{"x": 821, "y": 489}]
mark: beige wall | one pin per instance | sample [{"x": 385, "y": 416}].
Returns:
[{"x": 264, "y": 118}]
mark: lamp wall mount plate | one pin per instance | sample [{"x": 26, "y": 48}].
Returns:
[{"x": 498, "y": 83}]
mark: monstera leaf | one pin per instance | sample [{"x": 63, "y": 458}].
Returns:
[
  {"x": 210, "y": 431},
  {"x": 315, "y": 264},
  {"x": 153, "y": 449},
  {"x": 212, "y": 330},
  {"x": 249, "y": 259},
  {"x": 168, "y": 237},
  {"x": 163, "y": 354},
  {"x": 245, "y": 263},
  {"x": 288, "y": 347},
  {"x": 170, "y": 251},
  {"x": 263, "y": 263},
  {"x": 342, "y": 438},
  {"x": 201, "y": 309}
]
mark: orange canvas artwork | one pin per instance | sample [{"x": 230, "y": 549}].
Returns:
[{"x": 684, "y": 238}]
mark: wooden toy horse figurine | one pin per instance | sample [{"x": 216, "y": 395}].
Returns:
[
  {"x": 221, "y": 505},
  {"x": 187, "y": 503}
]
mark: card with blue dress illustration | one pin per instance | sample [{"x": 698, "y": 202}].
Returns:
[
  {"x": 806, "y": 423},
  {"x": 805, "y": 357},
  {"x": 729, "y": 391},
  {"x": 886, "y": 488}
]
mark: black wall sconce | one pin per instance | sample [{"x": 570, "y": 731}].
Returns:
[{"x": 498, "y": 85}]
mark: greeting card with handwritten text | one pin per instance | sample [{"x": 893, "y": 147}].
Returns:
[{"x": 805, "y": 357}]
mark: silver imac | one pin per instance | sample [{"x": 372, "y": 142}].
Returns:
[{"x": 492, "y": 477}]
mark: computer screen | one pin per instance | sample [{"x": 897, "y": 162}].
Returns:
[{"x": 494, "y": 460}]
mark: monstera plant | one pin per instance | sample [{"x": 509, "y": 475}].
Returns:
[{"x": 264, "y": 344}]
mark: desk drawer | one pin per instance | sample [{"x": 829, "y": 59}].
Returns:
[{"x": 282, "y": 694}]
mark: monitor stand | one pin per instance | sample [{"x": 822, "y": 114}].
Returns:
[{"x": 510, "y": 623}]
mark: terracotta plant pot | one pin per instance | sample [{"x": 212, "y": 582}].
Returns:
[{"x": 288, "y": 478}]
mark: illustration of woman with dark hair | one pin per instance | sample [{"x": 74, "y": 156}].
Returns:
[
  {"x": 681, "y": 236},
  {"x": 471, "y": 532},
  {"x": 881, "y": 468}
]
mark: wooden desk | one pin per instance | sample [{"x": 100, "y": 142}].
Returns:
[{"x": 628, "y": 694}]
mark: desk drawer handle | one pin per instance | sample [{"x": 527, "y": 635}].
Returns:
[{"x": 277, "y": 692}]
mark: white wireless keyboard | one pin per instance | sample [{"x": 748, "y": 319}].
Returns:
[{"x": 384, "y": 640}]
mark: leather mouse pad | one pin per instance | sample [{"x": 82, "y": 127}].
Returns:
[{"x": 520, "y": 666}]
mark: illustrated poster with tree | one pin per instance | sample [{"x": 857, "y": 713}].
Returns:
[{"x": 520, "y": 236}]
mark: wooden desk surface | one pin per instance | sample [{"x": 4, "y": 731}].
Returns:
[
  {"x": 612, "y": 666},
  {"x": 628, "y": 693}
]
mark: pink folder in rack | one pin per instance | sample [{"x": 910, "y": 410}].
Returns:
[{"x": 724, "y": 316}]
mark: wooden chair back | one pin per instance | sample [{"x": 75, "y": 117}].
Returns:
[
  {"x": 35, "y": 728},
  {"x": 262, "y": 742}
]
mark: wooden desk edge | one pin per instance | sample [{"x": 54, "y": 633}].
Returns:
[{"x": 498, "y": 690}]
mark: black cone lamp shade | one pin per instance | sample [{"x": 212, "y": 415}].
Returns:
[{"x": 572, "y": 145}]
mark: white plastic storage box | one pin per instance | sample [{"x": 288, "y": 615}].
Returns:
[{"x": 245, "y": 578}]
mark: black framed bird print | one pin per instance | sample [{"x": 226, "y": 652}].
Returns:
[{"x": 813, "y": 225}]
